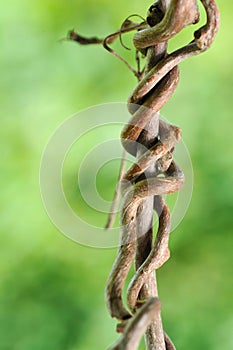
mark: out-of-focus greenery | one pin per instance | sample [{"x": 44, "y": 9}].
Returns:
[{"x": 52, "y": 289}]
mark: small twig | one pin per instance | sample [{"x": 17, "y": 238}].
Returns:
[
  {"x": 113, "y": 210},
  {"x": 126, "y": 27}
]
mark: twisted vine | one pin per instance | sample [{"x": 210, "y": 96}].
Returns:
[{"x": 155, "y": 172}]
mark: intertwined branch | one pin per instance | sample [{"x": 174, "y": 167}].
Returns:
[{"x": 154, "y": 173}]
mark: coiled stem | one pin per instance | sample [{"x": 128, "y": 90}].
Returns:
[
  {"x": 152, "y": 141},
  {"x": 155, "y": 173}
]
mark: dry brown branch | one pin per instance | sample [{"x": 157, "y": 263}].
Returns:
[
  {"x": 137, "y": 326},
  {"x": 153, "y": 91},
  {"x": 154, "y": 173}
]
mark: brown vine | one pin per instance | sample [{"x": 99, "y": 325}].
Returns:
[{"x": 154, "y": 173}]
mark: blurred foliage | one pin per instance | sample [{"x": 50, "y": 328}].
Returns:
[{"x": 52, "y": 290}]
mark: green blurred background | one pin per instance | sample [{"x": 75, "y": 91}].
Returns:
[{"x": 52, "y": 289}]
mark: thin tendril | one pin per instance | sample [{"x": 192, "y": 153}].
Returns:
[{"x": 122, "y": 26}]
